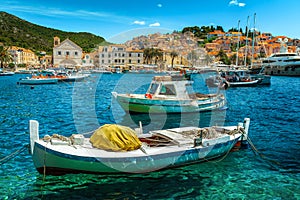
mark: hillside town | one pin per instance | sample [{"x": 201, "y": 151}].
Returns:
[{"x": 155, "y": 51}]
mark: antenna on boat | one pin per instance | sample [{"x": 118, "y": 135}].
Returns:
[
  {"x": 139, "y": 130},
  {"x": 141, "y": 127}
]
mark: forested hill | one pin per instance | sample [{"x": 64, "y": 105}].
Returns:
[{"x": 17, "y": 32}]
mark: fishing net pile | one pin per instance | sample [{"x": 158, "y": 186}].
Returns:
[{"x": 116, "y": 138}]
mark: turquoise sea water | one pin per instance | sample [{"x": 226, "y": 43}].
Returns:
[{"x": 68, "y": 108}]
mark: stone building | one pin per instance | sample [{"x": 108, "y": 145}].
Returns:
[
  {"x": 118, "y": 56},
  {"x": 66, "y": 54}
]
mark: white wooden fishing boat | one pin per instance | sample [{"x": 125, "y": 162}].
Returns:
[
  {"x": 170, "y": 94},
  {"x": 156, "y": 150},
  {"x": 37, "y": 81}
]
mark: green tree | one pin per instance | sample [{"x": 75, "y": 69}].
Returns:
[
  {"x": 173, "y": 55},
  {"x": 5, "y": 56},
  {"x": 223, "y": 57}
]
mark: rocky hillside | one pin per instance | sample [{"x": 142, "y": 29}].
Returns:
[{"x": 18, "y": 32}]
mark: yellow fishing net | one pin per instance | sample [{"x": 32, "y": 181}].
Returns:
[{"x": 115, "y": 137}]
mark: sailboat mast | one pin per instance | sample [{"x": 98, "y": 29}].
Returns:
[
  {"x": 253, "y": 38},
  {"x": 247, "y": 35},
  {"x": 237, "y": 46}
]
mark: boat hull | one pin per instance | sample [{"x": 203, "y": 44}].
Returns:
[
  {"x": 140, "y": 104},
  {"x": 50, "y": 159},
  {"x": 244, "y": 83},
  {"x": 38, "y": 81}
]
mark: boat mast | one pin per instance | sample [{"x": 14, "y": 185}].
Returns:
[
  {"x": 237, "y": 46},
  {"x": 253, "y": 37},
  {"x": 247, "y": 35}
]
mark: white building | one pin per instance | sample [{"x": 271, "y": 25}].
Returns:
[
  {"x": 66, "y": 54},
  {"x": 117, "y": 56}
]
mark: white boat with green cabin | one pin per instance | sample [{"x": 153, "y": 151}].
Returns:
[{"x": 170, "y": 94}]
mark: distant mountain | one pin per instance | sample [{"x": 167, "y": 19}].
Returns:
[{"x": 18, "y": 32}]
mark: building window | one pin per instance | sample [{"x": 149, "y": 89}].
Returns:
[
  {"x": 138, "y": 55},
  {"x": 102, "y": 61},
  {"x": 129, "y": 54},
  {"x": 129, "y": 61},
  {"x": 76, "y": 53},
  {"x": 138, "y": 61},
  {"x": 67, "y": 53},
  {"x": 59, "y": 53}
]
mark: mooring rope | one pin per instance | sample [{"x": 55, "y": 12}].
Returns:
[
  {"x": 257, "y": 152},
  {"x": 14, "y": 154}
]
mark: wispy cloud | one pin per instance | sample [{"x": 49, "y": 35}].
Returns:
[
  {"x": 159, "y": 5},
  {"x": 139, "y": 22},
  {"x": 236, "y": 3},
  {"x": 155, "y": 24},
  {"x": 57, "y": 12}
]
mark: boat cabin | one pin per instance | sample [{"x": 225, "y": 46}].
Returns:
[
  {"x": 236, "y": 75},
  {"x": 176, "y": 87}
]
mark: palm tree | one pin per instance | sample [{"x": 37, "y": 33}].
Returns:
[
  {"x": 147, "y": 54},
  {"x": 173, "y": 55},
  {"x": 5, "y": 56},
  {"x": 158, "y": 54}
]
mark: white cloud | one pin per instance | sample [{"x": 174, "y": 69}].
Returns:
[
  {"x": 159, "y": 5},
  {"x": 139, "y": 22},
  {"x": 155, "y": 24},
  {"x": 236, "y": 3}
]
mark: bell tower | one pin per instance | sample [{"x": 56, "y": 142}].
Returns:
[{"x": 56, "y": 41}]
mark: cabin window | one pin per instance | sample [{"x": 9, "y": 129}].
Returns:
[
  {"x": 167, "y": 90},
  {"x": 153, "y": 88}
]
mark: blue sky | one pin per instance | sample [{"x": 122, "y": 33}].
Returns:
[{"x": 119, "y": 20}]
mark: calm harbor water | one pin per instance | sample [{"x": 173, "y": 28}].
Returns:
[{"x": 68, "y": 108}]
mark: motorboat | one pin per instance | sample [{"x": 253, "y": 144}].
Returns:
[
  {"x": 7, "y": 73},
  {"x": 37, "y": 81},
  {"x": 65, "y": 77},
  {"x": 238, "y": 78},
  {"x": 116, "y": 149},
  {"x": 170, "y": 94},
  {"x": 283, "y": 63}
]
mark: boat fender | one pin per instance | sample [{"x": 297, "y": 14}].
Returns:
[{"x": 148, "y": 96}]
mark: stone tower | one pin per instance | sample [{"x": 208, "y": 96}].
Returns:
[{"x": 56, "y": 41}]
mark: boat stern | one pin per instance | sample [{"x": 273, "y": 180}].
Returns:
[{"x": 34, "y": 133}]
